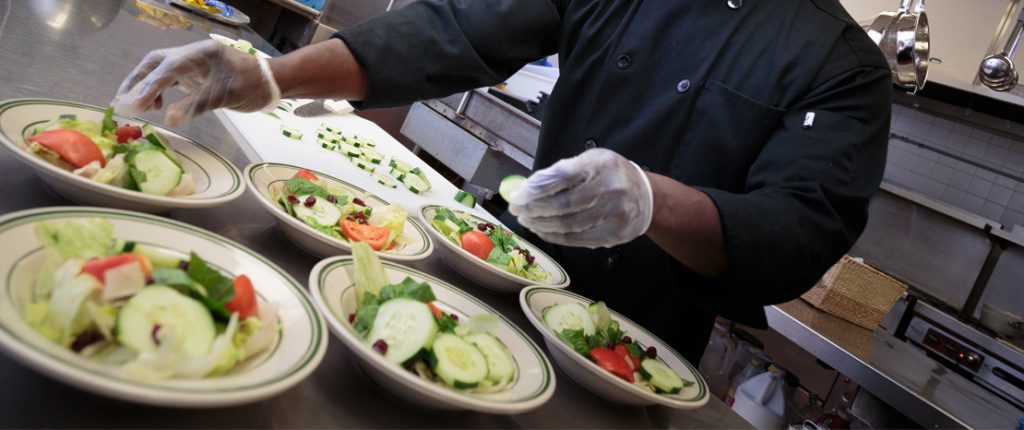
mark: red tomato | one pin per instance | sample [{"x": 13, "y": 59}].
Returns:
[
  {"x": 433, "y": 308},
  {"x": 633, "y": 361},
  {"x": 72, "y": 146},
  {"x": 128, "y": 133},
  {"x": 477, "y": 244},
  {"x": 98, "y": 267},
  {"x": 371, "y": 235},
  {"x": 612, "y": 362},
  {"x": 305, "y": 174},
  {"x": 244, "y": 301}
]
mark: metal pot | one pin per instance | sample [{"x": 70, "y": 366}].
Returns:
[
  {"x": 1007, "y": 326},
  {"x": 997, "y": 71},
  {"x": 908, "y": 56},
  {"x": 880, "y": 26}
]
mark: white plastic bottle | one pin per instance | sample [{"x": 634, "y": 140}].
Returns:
[
  {"x": 762, "y": 401},
  {"x": 754, "y": 367}
]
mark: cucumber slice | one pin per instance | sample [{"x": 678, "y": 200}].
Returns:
[
  {"x": 569, "y": 316},
  {"x": 465, "y": 198},
  {"x": 661, "y": 377},
  {"x": 290, "y": 132},
  {"x": 400, "y": 165},
  {"x": 415, "y": 184},
  {"x": 600, "y": 314},
  {"x": 170, "y": 310},
  {"x": 323, "y": 212},
  {"x": 327, "y": 138},
  {"x": 372, "y": 156},
  {"x": 349, "y": 150},
  {"x": 156, "y": 256},
  {"x": 406, "y": 325},
  {"x": 329, "y": 129},
  {"x": 328, "y": 146},
  {"x": 501, "y": 366},
  {"x": 384, "y": 180},
  {"x": 397, "y": 174},
  {"x": 510, "y": 184},
  {"x": 154, "y": 172},
  {"x": 363, "y": 164},
  {"x": 457, "y": 362},
  {"x": 151, "y": 136}
]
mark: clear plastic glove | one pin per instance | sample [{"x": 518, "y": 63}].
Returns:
[
  {"x": 595, "y": 199},
  {"x": 212, "y": 74}
]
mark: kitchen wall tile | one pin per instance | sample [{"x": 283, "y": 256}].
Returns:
[
  {"x": 1002, "y": 142},
  {"x": 992, "y": 211},
  {"x": 1017, "y": 201},
  {"x": 943, "y": 123},
  {"x": 1006, "y": 181},
  {"x": 930, "y": 155},
  {"x": 1012, "y": 218},
  {"x": 956, "y": 143},
  {"x": 959, "y": 180},
  {"x": 922, "y": 166},
  {"x": 1019, "y": 187},
  {"x": 994, "y": 155},
  {"x": 981, "y": 135},
  {"x": 1014, "y": 163},
  {"x": 966, "y": 167},
  {"x": 972, "y": 203},
  {"x": 941, "y": 172},
  {"x": 979, "y": 187},
  {"x": 948, "y": 161},
  {"x": 917, "y": 129},
  {"x": 975, "y": 149},
  {"x": 985, "y": 175},
  {"x": 916, "y": 182},
  {"x": 1000, "y": 195},
  {"x": 962, "y": 129},
  {"x": 938, "y": 136},
  {"x": 952, "y": 196},
  {"x": 934, "y": 189}
]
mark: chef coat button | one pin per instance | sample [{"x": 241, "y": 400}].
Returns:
[
  {"x": 683, "y": 86},
  {"x": 624, "y": 62},
  {"x": 734, "y": 4},
  {"x": 590, "y": 144}
]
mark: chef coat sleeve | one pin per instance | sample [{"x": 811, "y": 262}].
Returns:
[
  {"x": 435, "y": 48},
  {"x": 807, "y": 192}
]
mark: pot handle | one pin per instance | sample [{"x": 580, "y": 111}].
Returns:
[
  {"x": 920, "y": 6},
  {"x": 904, "y": 6}
]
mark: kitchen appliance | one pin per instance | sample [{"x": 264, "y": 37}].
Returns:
[
  {"x": 903, "y": 38},
  {"x": 997, "y": 71}
]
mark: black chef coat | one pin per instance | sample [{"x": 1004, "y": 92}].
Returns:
[{"x": 711, "y": 95}]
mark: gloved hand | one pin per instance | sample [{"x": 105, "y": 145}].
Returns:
[
  {"x": 595, "y": 199},
  {"x": 213, "y": 75}
]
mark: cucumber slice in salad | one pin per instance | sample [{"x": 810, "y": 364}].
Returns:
[
  {"x": 510, "y": 184},
  {"x": 158, "y": 308},
  {"x": 661, "y": 377},
  {"x": 400, "y": 165},
  {"x": 416, "y": 184},
  {"x": 154, "y": 172},
  {"x": 465, "y": 198},
  {"x": 569, "y": 316},
  {"x": 458, "y": 362},
  {"x": 407, "y": 327},
  {"x": 349, "y": 150},
  {"x": 323, "y": 212},
  {"x": 290, "y": 132},
  {"x": 501, "y": 366}
]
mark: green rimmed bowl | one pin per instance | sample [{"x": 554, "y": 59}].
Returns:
[
  {"x": 217, "y": 180},
  {"x": 301, "y": 343},
  {"x": 332, "y": 288}
]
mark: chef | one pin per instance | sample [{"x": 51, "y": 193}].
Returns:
[{"x": 697, "y": 157}]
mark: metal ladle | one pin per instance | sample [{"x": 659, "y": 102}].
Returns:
[{"x": 997, "y": 71}]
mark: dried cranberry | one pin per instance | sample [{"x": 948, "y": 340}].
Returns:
[
  {"x": 351, "y": 318},
  {"x": 149, "y": 280},
  {"x": 380, "y": 346},
  {"x": 610, "y": 344},
  {"x": 310, "y": 201},
  {"x": 85, "y": 339},
  {"x": 152, "y": 334},
  {"x": 530, "y": 259},
  {"x": 363, "y": 221},
  {"x": 183, "y": 265},
  {"x": 482, "y": 227},
  {"x": 358, "y": 201},
  {"x": 652, "y": 352},
  {"x": 627, "y": 340},
  {"x": 490, "y": 226},
  {"x": 293, "y": 200},
  {"x": 332, "y": 199},
  {"x": 454, "y": 317}
]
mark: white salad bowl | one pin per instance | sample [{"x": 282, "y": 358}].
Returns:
[
  {"x": 217, "y": 180},
  {"x": 487, "y": 274},
  {"x": 263, "y": 178},
  {"x": 301, "y": 343},
  {"x": 333, "y": 290},
  {"x": 599, "y": 381}
]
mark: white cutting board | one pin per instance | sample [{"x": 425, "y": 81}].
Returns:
[{"x": 262, "y": 133}]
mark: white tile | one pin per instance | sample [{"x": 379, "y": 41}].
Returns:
[
  {"x": 966, "y": 167},
  {"x": 959, "y": 180},
  {"x": 1017, "y": 201},
  {"x": 956, "y": 143},
  {"x": 947, "y": 161},
  {"x": 985, "y": 175},
  {"x": 952, "y": 196},
  {"x": 1006, "y": 181},
  {"x": 930, "y": 155},
  {"x": 917, "y": 129},
  {"x": 922, "y": 166},
  {"x": 916, "y": 182},
  {"x": 1014, "y": 162},
  {"x": 938, "y": 136},
  {"x": 962, "y": 129},
  {"x": 992, "y": 211},
  {"x": 994, "y": 155},
  {"x": 1002, "y": 142},
  {"x": 1011, "y": 218},
  {"x": 943, "y": 123},
  {"x": 941, "y": 173},
  {"x": 975, "y": 148},
  {"x": 981, "y": 135},
  {"x": 979, "y": 187},
  {"x": 934, "y": 189},
  {"x": 972, "y": 204},
  {"x": 1000, "y": 195}
]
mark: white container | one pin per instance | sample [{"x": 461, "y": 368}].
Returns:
[
  {"x": 761, "y": 400},
  {"x": 754, "y": 367},
  {"x": 717, "y": 360}
]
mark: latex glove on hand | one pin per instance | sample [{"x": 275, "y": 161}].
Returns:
[
  {"x": 595, "y": 199},
  {"x": 212, "y": 74}
]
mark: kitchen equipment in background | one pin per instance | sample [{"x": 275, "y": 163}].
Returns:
[
  {"x": 753, "y": 368},
  {"x": 761, "y": 399},
  {"x": 997, "y": 71},
  {"x": 856, "y": 292},
  {"x": 1006, "y": 325},
  {"x": 225, "y": 13},
  {"x": 716, "y": 363},
  {"x": 904, "y": 40}
]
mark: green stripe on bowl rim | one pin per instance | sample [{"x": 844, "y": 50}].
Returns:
[
  {"x": 237, "y": 180},
  {"x": 548, "y": 377},
  {"x": 424, "y": 238},
  {"x": 702, "y": 386},
  {"x": 63, "y": 212},
  {"x": 533, "y": 249}
]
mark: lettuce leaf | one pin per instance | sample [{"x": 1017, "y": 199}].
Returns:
[{"x": 77, "y": 239}]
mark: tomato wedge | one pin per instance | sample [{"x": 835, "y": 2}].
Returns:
[
  {"x": 244, "y": 301},
  {"x": 72, "y": 146},
  {"x": 128, "y": 133},
  {"x": 477, "y": 243},
  {"x": 624, "y": 352},
  {"x": 435, "y": 310},
  {"x": 305, "y": 174},
  {"x": 371, "y": 235},
  {"x": 98, "y": 267},
  {"x": 612, "y": 362}
]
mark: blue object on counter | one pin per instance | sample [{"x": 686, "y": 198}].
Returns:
[
  {"x": 315, "y": 4},
  {"x": 224, "y": 9}
]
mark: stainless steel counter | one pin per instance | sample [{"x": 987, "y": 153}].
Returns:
[{"x": 79, "y": 50}]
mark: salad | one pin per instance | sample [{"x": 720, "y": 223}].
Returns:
[
  {"x": 153, "y": 313},
  {"x": 126, "y": 156},
  {"x": 338, "y": 213},
  {"x": 403, "y": 323},
  {"x": 488, "y": 242},
  {"x": 593, "y": 333}
]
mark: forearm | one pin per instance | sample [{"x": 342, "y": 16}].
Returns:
[
  {"x": 687, "y": 226},
  {"x": 323, "y": 70}
]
